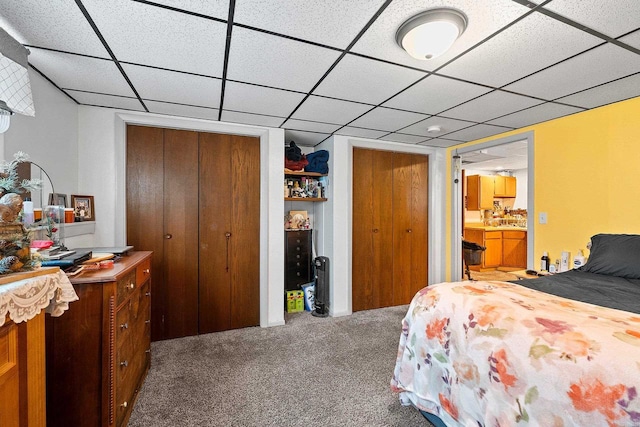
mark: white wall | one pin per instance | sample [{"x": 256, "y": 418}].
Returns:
[
  {"x": 50, "y": 138},
  {"x": 102, "y": 174},
  {"x": 336, "y": 218}
]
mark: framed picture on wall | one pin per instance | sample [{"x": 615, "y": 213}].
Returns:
[
  {"x": 58, "y": 199},
  {"x": 83, "y": 207}
]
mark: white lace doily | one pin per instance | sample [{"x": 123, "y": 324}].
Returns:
[{"x": 24, "y": 299}]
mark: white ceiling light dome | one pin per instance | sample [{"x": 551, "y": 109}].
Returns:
[{"x": 431, "y": 33}]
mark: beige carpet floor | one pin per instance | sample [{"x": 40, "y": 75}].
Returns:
[{"x": 310, "y": 372}]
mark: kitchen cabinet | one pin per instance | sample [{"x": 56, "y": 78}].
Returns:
[
  {"x": 389, "y": 227},
  {"x": 98, "y": 353},
  {"x": 514, "y": 249},
  {"x": 504, "y": 186},
  {"x": 504, "y": 248},
  {"x": 479, "y": 192}
]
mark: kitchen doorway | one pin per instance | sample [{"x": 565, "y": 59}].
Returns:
[{"x": 498, "y": 203}]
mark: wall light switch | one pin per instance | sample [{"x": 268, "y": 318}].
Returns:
[{"x": 542, "y": 217}]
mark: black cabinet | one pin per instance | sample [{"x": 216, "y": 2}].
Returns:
[{"x": 297, "y": 259}]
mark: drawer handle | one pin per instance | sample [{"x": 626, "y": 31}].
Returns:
[
  {"x": 124, "y": 325},
  {"x": 124, "y": 404},
  {"x": 124, "y": 364},
  {"x": 146, "y": 271},
  {"x": 298, "y": 240},
  {"x": 298, "y": 264},
  {"x": 298, "y": 273},
  {"x": 297, "y": 256},
  {"x": 298, "y": 248},
  {"x": 168, "y": 236}
]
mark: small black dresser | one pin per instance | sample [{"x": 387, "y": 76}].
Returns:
[{"x": 297, "y": 259}]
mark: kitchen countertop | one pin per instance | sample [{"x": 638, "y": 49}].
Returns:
[{"x": 499, "y": 228}]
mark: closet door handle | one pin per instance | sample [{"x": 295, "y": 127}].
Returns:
[
  {"x": 408, "y": 230},
  {"x": 168, "y": 236},
  {"x": 375, "y": 230},
  {"x": 228, "y": 236}
]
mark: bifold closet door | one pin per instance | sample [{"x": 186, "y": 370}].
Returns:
[
  {"x": 162, "y": 216},
  {"x": 229, "y": 290},
  {"x": 180, "y": 292},
  {"x": 372, "y": 276}
]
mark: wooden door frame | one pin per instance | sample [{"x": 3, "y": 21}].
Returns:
[{"x": 456, "y": 199}]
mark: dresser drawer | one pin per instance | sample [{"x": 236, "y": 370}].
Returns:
[
  {"x": 126, "y": 285},
  {"x": 143, "y": 271}
]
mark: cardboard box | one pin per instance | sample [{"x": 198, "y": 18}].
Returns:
[{"x": 295, "y": 301}]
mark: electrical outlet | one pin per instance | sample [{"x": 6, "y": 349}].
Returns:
[{"x": 542, "y": 217}]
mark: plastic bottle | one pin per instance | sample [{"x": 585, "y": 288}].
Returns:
[
  {"x": 27, "y": 211},
  {"x": 578, "y": 260},
  {"x": 544, "y": 262}
]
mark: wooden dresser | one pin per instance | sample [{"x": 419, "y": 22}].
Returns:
[{"x": 98, "y": 353}]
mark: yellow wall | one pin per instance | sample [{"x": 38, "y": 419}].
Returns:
[{"x": 587, "y": 177}]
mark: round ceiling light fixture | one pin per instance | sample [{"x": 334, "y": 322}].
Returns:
[{"x": 431, "y": 33}]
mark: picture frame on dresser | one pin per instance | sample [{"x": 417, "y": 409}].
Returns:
[
  {"x": 58, "y": 199},
  {"x": 83, "y": 207}
]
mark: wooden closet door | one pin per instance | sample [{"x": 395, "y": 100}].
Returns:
[
  {"x": 419, "y": 223},
  {"x": 372, "y": 237},
  {"x": 215, "y": 232},
  {"x": 180, "y": 233},
  {"x": 244, "y": 250},
  {"x": 402, "y": 228},
  {"x": 145, "y": 208},
  {"x": 229, "y": 232}
]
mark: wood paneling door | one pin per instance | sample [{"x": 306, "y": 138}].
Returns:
[
  {"x": 389, "y": 240},
  {"x": 372, "y": 284},
  {"x": 229, "y": 232},
  {"x": 193, "y": 198}
]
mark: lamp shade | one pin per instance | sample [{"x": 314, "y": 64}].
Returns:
[
  {"x": 15, "y": 89},
  {"x": 431, "y": 33}
]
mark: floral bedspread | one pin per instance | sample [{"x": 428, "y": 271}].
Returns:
[{"x": 498, "y": 354}]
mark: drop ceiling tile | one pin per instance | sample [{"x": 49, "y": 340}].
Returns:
[
  {"x": 155, "y": 36},
  {"x": 532, "y": 44},
  {"x": 46, "y": 24},
  {"x": 329, "y": 110},
  {"x": 310, "y": 126},
  {"x": 618, "y": 90},
  {"x": 612, "y": 19},
  {"x": 600, "y": 65},
  {"x": 365, "y": 80},
  {"x": 387, "y": 119},
  {"x": 80, "y": 72},
  {"x": 537, "y": 114},
  {"x": 181, "y": 110},
  {"x": 171, "y": 86},
  {"x": 435, "y": 94},
  {"x": 446, "y": 126},
  {"x": 407, "y": 139},
  {"x": 476, "y": 132},
  {"x": 490, "y": 106},
  {"x": 440, "y": 142},
  {"x": 101, "y": 100},
  {"x": 330, "y": 22},
  {"x": 485, "y": 18},
  {"x": 251, "y": 119},
  {"x": 260, "y": 100},
  {"x": 275, "y": 61},
  {"x": 217, "y": 9},
  {"x": 360, "y": 132},
  {"x": 303, "y": 138}
]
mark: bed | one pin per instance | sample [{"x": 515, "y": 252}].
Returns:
[{"x": 562, "y": 350}]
